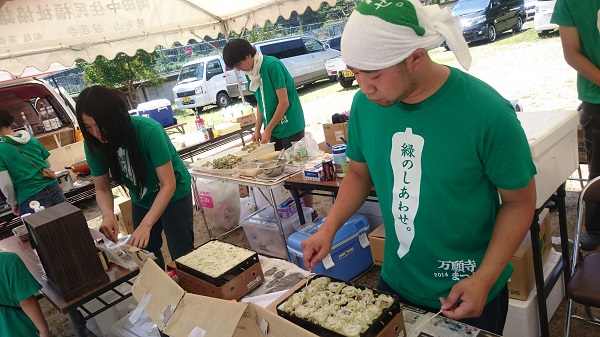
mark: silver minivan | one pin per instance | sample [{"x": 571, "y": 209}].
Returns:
[{"x": 303, "y": 56}]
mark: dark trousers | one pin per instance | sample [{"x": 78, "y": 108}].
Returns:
[
  {"x": 492, "y": 319},
  {"x": 178, "y": 225},
  {"x": 47, "y": 197},
  {"x": 286, "y": 143},
  {"x": 590, "y": 123}
]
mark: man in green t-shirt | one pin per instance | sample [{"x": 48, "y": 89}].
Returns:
[
  {"x": 278, "y": 103},
  {"x": 449, "y": 161},
  {"x": 579, "y": 25}
]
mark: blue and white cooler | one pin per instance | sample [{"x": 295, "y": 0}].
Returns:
[
  {"x": 350, "y": 254},
  {"x": 160, "y": 110}
]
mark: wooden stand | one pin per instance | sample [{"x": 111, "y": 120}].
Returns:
[{"x": 66, "y": 249}]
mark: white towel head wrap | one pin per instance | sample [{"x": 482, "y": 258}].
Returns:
[{"x": 382, "y": 33}]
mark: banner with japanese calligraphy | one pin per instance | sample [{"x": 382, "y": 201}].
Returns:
[{"x": 37, "y": 33}]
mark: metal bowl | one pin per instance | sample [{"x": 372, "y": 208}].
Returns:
[{"x": 272, "y": 168}]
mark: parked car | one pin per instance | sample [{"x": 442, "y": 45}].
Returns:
[
  {"x": 543, "y": 14},
  {"x": 530, "y": 9},
  {"x": 207, "y": 81},
  {"x": 485, "y": 19},
  {"x": 334, "y": 42},
  {"x": 303, "y": 56},
  {"x": 337, "y": 69}
]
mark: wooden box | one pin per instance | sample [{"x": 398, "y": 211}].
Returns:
[{"x": 66, "y": 249}]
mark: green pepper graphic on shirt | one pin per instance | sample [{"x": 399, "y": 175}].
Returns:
[{"x": 406, "y": 165}]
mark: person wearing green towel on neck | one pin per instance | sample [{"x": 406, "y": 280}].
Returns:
[{"x": 448, "y": 158}]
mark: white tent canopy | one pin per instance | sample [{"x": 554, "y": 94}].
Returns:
[{"x": 37, "y": 33}]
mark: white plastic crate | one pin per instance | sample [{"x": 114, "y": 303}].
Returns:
[
  {"x": 552, "y": 137},
  {"x": 262, "y": 231}
]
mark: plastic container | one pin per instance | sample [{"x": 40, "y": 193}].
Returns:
[
  {"x": 350, "y": 254},
  {"x": 64, "y": 180},
  {"x": 262, "y": 230},
  {"x": 143, "y": 327},
  {"x": 339, "y": 160},
  {"x": 21, "y": 232},
  {"x": 160, "y": 110}
]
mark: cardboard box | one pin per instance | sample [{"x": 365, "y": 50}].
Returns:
[
  {"x": 522, "y": 280},
  {"x": 377, "y": 240},
  {"x": 335, "y": 132},
  {"x": 225, "y": 128},
  {"x": 122, "y": 209},
  {"x": 323, "y": 147},
  {"x": 178, "y": 313},
  {"x": 181, "y": 314},
  {"x": 523, "y": 319},
  {"x": 245, "y": 120},
  {"x": 237, "y": 287}
]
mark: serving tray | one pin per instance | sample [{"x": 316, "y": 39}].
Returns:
[{"x": 374, "y": 329}]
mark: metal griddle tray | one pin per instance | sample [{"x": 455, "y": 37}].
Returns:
[
  {"x": 225, "y": 277},
  {"x": 378, "y": 324}
]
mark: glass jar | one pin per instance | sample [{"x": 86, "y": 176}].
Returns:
[{"x": 339, "y": 160}]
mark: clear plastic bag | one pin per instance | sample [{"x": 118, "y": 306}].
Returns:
[
  {"x": 303, "y": 150},
  {"x": 220, "y": 202}
]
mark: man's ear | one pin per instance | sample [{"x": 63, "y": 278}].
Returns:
[{"x": 417, "y": 59}]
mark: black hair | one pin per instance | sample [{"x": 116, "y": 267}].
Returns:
[
  {"x": 6, "y": 118},
  {"x": 114, "y": 123},
  {"x": 236, "y": 51}
]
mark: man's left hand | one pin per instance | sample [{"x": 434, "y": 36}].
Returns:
[
  {"x": 466, "y": 299},
  {"x": 15, "y": 210}
]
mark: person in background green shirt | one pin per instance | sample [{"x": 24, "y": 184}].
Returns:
[
  {"x": 278, "y": 103},
  {"x": 579, "y": 25},
  {"x": 136, "y": 152},
  {"x": 21, "y": 158}
]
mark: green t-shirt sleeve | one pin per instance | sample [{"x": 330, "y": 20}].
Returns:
[
  {"x": 2, "y": 164},
  {"x": 276, "y": 71},
  {"x": 506, "y": 155},
  {"x": 98, "y": 166},
  {"x": 353, "y": 150},
  {"x": 562, "y": 14},
  {"x": 155, "y": 144},
  {"x": 24, "y": 285},
  {"x": 44, "y": 152}
]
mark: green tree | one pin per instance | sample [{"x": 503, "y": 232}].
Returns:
[
  {"x": 124, "y": 72},
  {"x": 268, "y": 31}
]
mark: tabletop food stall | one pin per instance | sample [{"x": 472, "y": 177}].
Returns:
[
  {"x": 552, "y": 136},
  {"x": 552, "y": 140}
]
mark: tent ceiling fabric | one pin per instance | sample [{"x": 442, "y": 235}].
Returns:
[{"x": 36, "y": 34}]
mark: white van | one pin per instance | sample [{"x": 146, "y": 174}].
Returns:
[
  {"x": 303, "y": 56},
  {"x": 206, "y": 81}
]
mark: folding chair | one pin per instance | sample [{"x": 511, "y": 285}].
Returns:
[{"x": 583, "y": 287}]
